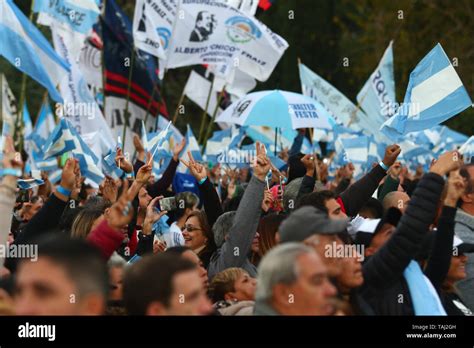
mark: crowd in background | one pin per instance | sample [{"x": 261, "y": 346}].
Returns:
[{"x": 248, "y": 241}]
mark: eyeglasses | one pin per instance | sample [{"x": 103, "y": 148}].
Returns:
[{"x": 189, "y": 228}]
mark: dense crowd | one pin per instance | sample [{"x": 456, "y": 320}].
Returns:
[{"x": 246, "y": 242}]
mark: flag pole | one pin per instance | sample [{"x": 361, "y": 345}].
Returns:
[
  {"x": 204, "y": 114},
  {"x": 104, "y": 78},
  {"x": 208, "y": 131},
  {"x": 276, "y": 141},
  {"x": 181, "y": 99},
  {"x": 19, "y": 115}
]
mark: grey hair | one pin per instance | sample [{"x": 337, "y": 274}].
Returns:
[
  {"x": 116, "y": 261},
  {"x": 279, "y": 266},
  {"x": 222, "y": 227},
  {"x": 290, "y": 194}
]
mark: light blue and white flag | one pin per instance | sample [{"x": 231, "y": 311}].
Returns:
[
  {"x": 158, "y": 143},
  {"x": 435, "y": 93},
  {"x": 65, "y": 139},
  {"x": 27, "y": 131},
  {"x": 55, "y": 175},
  {"x": 192, "y": 146},
  {"x": 27, "y": 49},
  {"x": 27, "y": 124},
  {"x": 79, "y": 107},
  {"x": 45, "y": 122},
  {"x": 225, "y": 143},
  {"x": 314, "y": 86},
  {"x": 26, "y": 184},
  {"x": 377, "y": 96},
  {"x": 467, "y": 149},
  {"x": 79, "y": 15},
  {"x": 355, "y": 149},
  {"x": 60, "y": 140}
]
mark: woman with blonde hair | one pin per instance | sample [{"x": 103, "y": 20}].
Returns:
[{"x": 233, "y": 291}]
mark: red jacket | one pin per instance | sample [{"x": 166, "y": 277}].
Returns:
[{"x": 106, "y": 239}]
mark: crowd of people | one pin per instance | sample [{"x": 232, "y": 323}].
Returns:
[{"x": 251, "y": 241}]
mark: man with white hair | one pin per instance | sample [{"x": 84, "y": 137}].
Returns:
[{"x": 292, "y": 280}]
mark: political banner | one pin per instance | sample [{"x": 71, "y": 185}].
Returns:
[
  {"x": 79, "y": 107},
  {"x": 153, "y": 24},
  {"x": 212, "y": 32}
]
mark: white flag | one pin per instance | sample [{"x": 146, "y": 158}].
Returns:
[
  {"x": 79, "y": 106},
  {"x": 9, "y": 110},
  {"x": 153, "y": 25},
  {"x": 215, "y": 33}
]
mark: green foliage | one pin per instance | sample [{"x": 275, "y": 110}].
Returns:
[{"x": 324, "y": 32}]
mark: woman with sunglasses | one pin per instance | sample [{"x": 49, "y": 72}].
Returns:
[{"x": 198, "y": 236}]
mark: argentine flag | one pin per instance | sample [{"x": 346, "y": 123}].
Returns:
[
  {"x": 435, "y": 93},
  {"x": 192, "y": 146},
  {"x": 27, "y": 49},
  {"x": 26, "y": 184},
  {"x": 377, "y": 96},
  {"x": 66, "y": 139},
  {"x": 467, "y": 150},
  {"x": 79, "y": 15}
]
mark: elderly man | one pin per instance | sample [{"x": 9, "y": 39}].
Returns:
[{"x": 292, "y": 280}]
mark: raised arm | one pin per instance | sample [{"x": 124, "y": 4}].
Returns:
[
  {"x": 209, "y": 196},
  {"x": 11, "y": 163},
  {"x": 49, "y": 215},
  {"x": 388, "y": 263},
  {"x": 357, "y": 195},
  {"x": 158, "y": 187},
  {"x": 440, "y": 258},
  {"x": 235, "y": 249}
]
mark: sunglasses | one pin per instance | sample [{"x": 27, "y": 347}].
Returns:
[{"x": 189, "y": 228}]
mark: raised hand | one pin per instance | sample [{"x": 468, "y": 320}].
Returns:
[
  {"x": 110, "y": 189},
  {"x": 152, "y": 215},
  {"x": 261, "y": 164},
  {"x": 391, "y": 154},
  {"x": 456, "y": 188},
  {"x": 395, "y": 170},
  {"x": 449, "y": 161},
  {"x": 69, "y": 174},
  {"x": 137, "y": 143},
  {"x": 145, "y": 171},
  {"x": 309, "y": 163},
  {"x": 267, "y": 200},
  {"x": 121, "y": 212},
  {"x": 197, "y": 170},
  {"x": 159, "y": 246},
  {"x": 122, "y": 162},
  {"x": 178, "y": 148}
]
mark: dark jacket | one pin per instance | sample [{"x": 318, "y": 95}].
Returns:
[
  {"x": 160, "y": 186},
  {"x": 356, "y": 195},
  {"x": 45, "y": 220},
  {"x": 440, "y": 260},
  {"x": 385, "y": 288}
]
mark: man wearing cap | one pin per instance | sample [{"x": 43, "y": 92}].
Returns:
[
  {"x": 465, "y": 230},
  {"x": 314, "y": 228},
  {"x": 391, "y": 277}
]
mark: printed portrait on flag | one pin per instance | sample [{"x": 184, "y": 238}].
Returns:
[{"x": 204, "y": 27}]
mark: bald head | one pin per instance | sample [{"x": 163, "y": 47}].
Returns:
[{"x": 396, "y": 199}]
